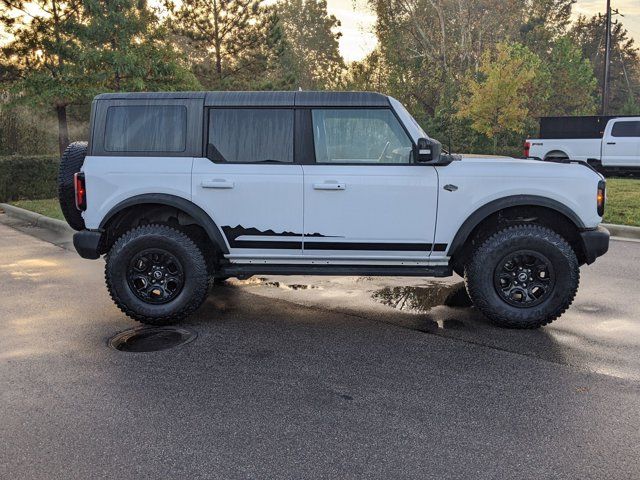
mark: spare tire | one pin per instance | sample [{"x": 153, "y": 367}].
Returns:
[{"x": 70, "y": 164}]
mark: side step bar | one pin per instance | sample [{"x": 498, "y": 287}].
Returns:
[{"x": 247, "y": 270}]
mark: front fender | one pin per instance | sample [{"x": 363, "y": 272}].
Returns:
[{"x": 506, "y": 202}]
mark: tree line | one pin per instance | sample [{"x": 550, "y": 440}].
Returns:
[{"x": 476, "y": 73}]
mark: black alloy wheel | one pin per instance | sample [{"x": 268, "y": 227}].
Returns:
[
  {"x": 155, "y": 276},
  {"x": 524, "y": 278}
]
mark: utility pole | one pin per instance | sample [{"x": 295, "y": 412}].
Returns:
[{"x": 607, "y": 62}]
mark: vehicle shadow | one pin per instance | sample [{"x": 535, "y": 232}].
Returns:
[{"x": 443, "y": 310}]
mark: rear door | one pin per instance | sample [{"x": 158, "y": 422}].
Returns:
[
  {"x": 621, "y": 144},
  {"x": 248, "y": 182},
  {"x": 364, "y": 198}
]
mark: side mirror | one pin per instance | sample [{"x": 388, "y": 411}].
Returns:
[{"x": 428, "y": 150}]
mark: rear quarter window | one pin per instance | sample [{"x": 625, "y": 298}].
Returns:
[
  {"x": 245, "y": 135},
  {"x": 626, "y": 129},
  {"x": 146, "y": 128}
]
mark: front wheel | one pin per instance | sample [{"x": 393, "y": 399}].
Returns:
[
  {"x": 156, "y": 274},
  {"x": 524, "y": 276}
]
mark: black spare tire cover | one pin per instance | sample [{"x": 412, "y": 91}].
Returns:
[{"x": 70, "y": 164}]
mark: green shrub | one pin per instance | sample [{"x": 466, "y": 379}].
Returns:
[{"x": 28, "y": 177}]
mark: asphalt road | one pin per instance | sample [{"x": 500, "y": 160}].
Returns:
[{"x": 302, "y": 388}]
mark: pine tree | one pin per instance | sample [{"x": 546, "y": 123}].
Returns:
[
  {"x": 42, "y": 63},
  {"x": 124, "y": 48},
  {"x": 312, "y": 37},
  {"x": 222, "y": 39}
]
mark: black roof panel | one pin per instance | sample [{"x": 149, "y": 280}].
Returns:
[
  {"x": 249, "y": 99},
  {"x": 300, "y": 99},
  {"x": 263, "y": 99},
  {"x": 341, "y": 99},
  {"x": 150, "y": 95}
]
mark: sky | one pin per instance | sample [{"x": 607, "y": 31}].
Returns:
[{"x": 358, "y": 22}]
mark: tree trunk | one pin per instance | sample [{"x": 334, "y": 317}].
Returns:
[
  {"x": 217, "y": 41},
  {"x": 63, "y": 130}
]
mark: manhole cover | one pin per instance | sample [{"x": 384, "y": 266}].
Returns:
[{"x": 151, "y": 339}]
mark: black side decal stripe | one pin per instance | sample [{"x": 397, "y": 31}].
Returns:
[
  {"x": 347, "y": 246},
  {"x": 278, "y": 245},
  {"x": 311, "y": 242},
  {"x": 397, "y": 247}
]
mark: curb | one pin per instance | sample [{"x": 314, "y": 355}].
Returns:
[
  {"x": 37, "y": 219},
  {"x": 623, "y": 231}
]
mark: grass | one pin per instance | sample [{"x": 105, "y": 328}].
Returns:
[
  {"x": 623, "y": 203},
  {"x": 48, "y": 207}
]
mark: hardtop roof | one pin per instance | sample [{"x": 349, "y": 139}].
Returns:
[{"x": 263, "y": 99}]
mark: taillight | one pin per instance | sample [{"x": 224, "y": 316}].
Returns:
[
  {"x": 527, "y": 149},
  {"x": 81, "y": 191},
  {"x": 602, "y": 197}
]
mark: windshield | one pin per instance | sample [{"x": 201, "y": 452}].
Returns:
[{"x": 412, "y": 125}]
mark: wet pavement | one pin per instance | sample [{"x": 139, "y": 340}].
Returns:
[{"x": 314, "y": 378}]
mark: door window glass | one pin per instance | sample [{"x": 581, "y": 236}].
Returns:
[
  {"x": 146, "y": 128},
  {"x": 242, "y": 135},
  {"x": 626, "y": 129},
  {"x": 356, "y": 136}
]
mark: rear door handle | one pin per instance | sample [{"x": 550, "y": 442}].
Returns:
[
  {"x": 217, "y": 183},
  {"x": 611, "y": 143},
  {"x": 329, "y": 186}
]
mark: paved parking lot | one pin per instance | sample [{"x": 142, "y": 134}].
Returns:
[{"x": 321, "y": 382}]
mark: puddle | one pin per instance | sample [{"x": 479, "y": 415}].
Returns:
[
  {"x": 421, "y": 299},
  {"x": 295, "y": 286},
  {"x": 151, "y": 339}
]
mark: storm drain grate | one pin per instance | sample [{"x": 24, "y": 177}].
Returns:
[{"x": 151, "y": 339}]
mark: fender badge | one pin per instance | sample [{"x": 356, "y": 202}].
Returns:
[{"x": 450, "y": 188}]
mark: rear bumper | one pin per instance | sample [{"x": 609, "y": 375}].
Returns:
[
  {"x": 87, "y": 244},
  {"x": 595, "y": 243}
]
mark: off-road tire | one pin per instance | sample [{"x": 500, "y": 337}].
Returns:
[
  {"x": 479, "y": 276},
  {"x": 196, "y": 281},
  {"x": 70, "y": 164}
]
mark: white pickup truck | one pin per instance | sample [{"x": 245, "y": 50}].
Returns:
[{"x": 616, "y": 147}]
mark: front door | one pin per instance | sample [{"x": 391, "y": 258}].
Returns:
[
  {"x": 249, "y": 184},
  {"x": 364, "y": 198},
  {"x": 621, "y": 146}
]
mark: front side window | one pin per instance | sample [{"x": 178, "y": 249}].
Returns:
[
  {"x": 146, "y": 128},
  {"x": 626, "y": 129},
  {"x": 244, "y": 135},
  {"x": 356, "y": 136}
]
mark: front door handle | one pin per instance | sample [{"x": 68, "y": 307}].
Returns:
[
  {"x": 217, "y": 183},
  {"x": 611, "y": 143},
  {"x": 329, "y": 186}
]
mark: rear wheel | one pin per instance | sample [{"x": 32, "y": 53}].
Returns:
[
  {"x": 156, "y": 274},
  {"x": 557, "y": 155},
  {"x": 524, "y": 276}
]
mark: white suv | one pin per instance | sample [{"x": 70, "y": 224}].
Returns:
[{"x": 180, "y": 189}]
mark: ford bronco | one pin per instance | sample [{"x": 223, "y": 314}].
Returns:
[{"x": 178, "y": 190}]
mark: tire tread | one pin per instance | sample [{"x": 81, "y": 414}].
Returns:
[
  {"x": 200, "y": 273},
  {"x": 481, "y": 301},
  {"x": 70, "y": 164}
]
